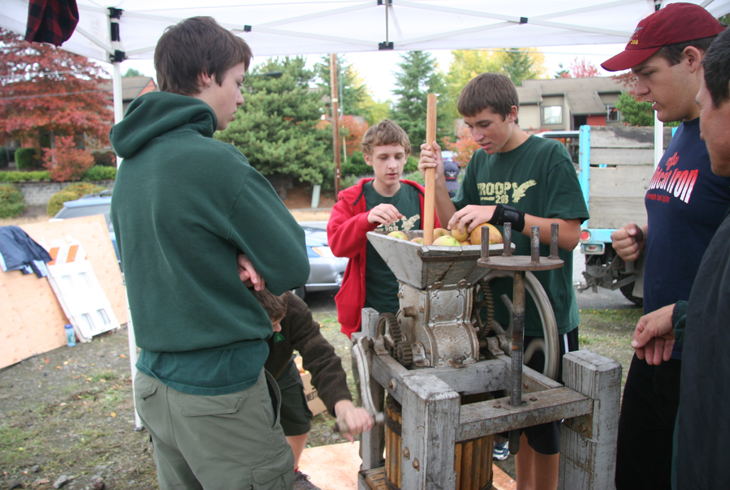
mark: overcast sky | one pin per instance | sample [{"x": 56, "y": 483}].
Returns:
[{"x": 377, "y": 68}]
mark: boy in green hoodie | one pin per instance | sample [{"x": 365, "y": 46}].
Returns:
[{"x": 185, "y": 209}]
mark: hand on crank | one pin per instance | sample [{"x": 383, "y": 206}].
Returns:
[
  {"x": 628, "y": 242},
  {"x": 384, "y": 214},
  {"x": 357, "y": 420},
  {"x": 248, "y": 274},
  {"x": 654, "y": 336},
  {"x": 469, "y": 217}
]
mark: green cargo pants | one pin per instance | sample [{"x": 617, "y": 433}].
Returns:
[{"x": 225, "y": 442}]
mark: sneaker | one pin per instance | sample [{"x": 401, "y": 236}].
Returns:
[
  {"x": 501, "y": 451},
  {"x": 301, "y": 482}
]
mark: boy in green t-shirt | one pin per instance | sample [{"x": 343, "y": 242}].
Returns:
[
  {"x": 385, "y": 203},
  {"x": 524, "y": 180}
]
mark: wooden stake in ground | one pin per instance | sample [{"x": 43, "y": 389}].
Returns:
[{"x": 430, "y": 197}]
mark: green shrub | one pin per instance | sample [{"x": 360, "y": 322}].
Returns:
[
  {"x": 415, "y": 177},
  {"x": 104, "y": 158},
  {"x": 355, "y": 166},
  {"x": 28, "y": 158},
  {"x": 348, "y": 181},
  {"x": 11, "y": 202},
  {"x": 100, "y": 173},
  {"x": 411, "y": 165},
  {"x": 15, "y": 176},
  {"x": 3, "y": 158},
  {"x": 70, "y": 193}
]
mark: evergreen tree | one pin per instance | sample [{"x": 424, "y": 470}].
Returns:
[
  {"x": 522, "y": 64},
  {"x": 417, "y": 79},
  {"x": 276, "y": 125},
  {"x": 355, "y": 94}
]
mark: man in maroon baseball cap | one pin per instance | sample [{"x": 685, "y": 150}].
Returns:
[{"x": 685, "y": 205}]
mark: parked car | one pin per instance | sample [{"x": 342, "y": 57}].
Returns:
[{"x": 326, "y": 272}]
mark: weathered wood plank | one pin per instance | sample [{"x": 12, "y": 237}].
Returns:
[
  {"x": 588, "y": 452},
  {"x": 622, "y": 181},
  {"x": 369, "y": 322},
  {"x": 494, "y": 416},
  {"x": 613, "y": 212},
  {"x": 625, "y": 137},
  {"x": 622, "y": 156},
  {"x": 427, "y": 457}
]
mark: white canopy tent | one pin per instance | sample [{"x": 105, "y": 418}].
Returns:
[{"x": 291, "y": 27}]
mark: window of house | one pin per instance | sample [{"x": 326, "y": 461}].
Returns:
[
  {"x": 612, "y": 114},
  {"x": 552, "y": 114}
]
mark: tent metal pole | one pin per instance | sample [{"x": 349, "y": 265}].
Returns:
[{"x": 658, "y": 140}]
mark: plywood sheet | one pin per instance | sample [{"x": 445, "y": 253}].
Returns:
[
  {"x": 612, "y": 213},
  {"x": 31, "y": 319}
]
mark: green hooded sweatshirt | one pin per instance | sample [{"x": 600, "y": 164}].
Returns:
[{"x": 184, "y": 206}]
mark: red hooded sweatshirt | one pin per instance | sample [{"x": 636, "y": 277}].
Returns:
[{"x": 346, "y": 234}]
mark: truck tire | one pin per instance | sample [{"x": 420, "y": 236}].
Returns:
[
  {"x": 627, "y": 290},
  {"x": 547, "y": 319}
]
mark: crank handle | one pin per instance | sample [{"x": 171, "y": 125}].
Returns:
[{"x": 342, "y": 426}]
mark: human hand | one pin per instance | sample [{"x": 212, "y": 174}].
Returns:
[
  {"x": 469, "y": 217},
  {"x": 654, "y": 336},
  {"x": 384, "y": 214},
  {"x": 357, "y": 420},
  {"x": 248, "y": 274},
  {"x": 628, "y": 242},
  {"x": 431, "y": 158}
]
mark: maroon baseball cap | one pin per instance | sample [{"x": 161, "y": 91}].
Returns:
[{"x": 675, "y": 23}]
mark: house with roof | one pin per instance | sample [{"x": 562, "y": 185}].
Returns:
[
  {"x": 563, "y": 104},
  {"x": 132, "y": 87}
]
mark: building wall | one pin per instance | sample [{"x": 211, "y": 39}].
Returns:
[
  {"x": 556, "y": 101},
  {"x": 529, "y": 116},
  {"x": 597, "y": 120}
]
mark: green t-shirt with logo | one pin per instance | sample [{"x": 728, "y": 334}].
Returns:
[
  {"x": 538, "y": 178},
  {"x": 381, "y": 286}
]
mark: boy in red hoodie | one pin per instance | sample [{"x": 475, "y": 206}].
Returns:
[{"x": 384, "y": 203}]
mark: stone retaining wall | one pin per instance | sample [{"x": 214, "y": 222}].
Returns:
[{"x": 39, "y": 193}]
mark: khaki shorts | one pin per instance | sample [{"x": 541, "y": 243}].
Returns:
[{"x": 216, "y": 442}]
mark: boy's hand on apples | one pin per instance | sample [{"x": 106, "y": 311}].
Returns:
[
  {"x": 469, "y": 217},
  {"x": 384, "y": 214}
]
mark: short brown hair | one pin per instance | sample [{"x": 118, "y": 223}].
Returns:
[
  {"x": 717, "y": 69},
  {"x": 488, "y": 91},
  {"x": 194, "y": 46},
  {"x": 275, "y": 306},
  {"x": 386, "y": 132},
  {"x": 673, "y": 53}
]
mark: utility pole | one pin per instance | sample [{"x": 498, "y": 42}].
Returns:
[{"x": 335, "y": 121}]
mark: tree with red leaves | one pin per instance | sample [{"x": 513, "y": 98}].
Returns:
[
  {"x": 44, "y": 89},
  {"x": 582, "y": 68},
  {"x": 463, "y": 148}
]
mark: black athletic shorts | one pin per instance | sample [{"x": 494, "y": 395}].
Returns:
[
  {"x": 545, "y": 438},
  {"x": 296, "y": 418}
]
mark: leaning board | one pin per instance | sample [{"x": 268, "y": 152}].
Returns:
[{"x": 31, "y": 319}]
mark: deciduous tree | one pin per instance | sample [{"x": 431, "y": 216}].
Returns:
[
  {"x": 46, "y": 89},
  {"x": 582, "y": 68},
  {"x": 463, "y": 148}
]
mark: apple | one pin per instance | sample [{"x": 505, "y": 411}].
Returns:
[
  {"x": 398, "y": 234},
  {"x": 494, "y": 235},
  {"x": 465, "y": 243},
  {"x": 417, "y": 240},
  {"x": 459, "y": 235},
  {"x": 439, "y": 232},
  {"x": 446, "y": 241}
]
